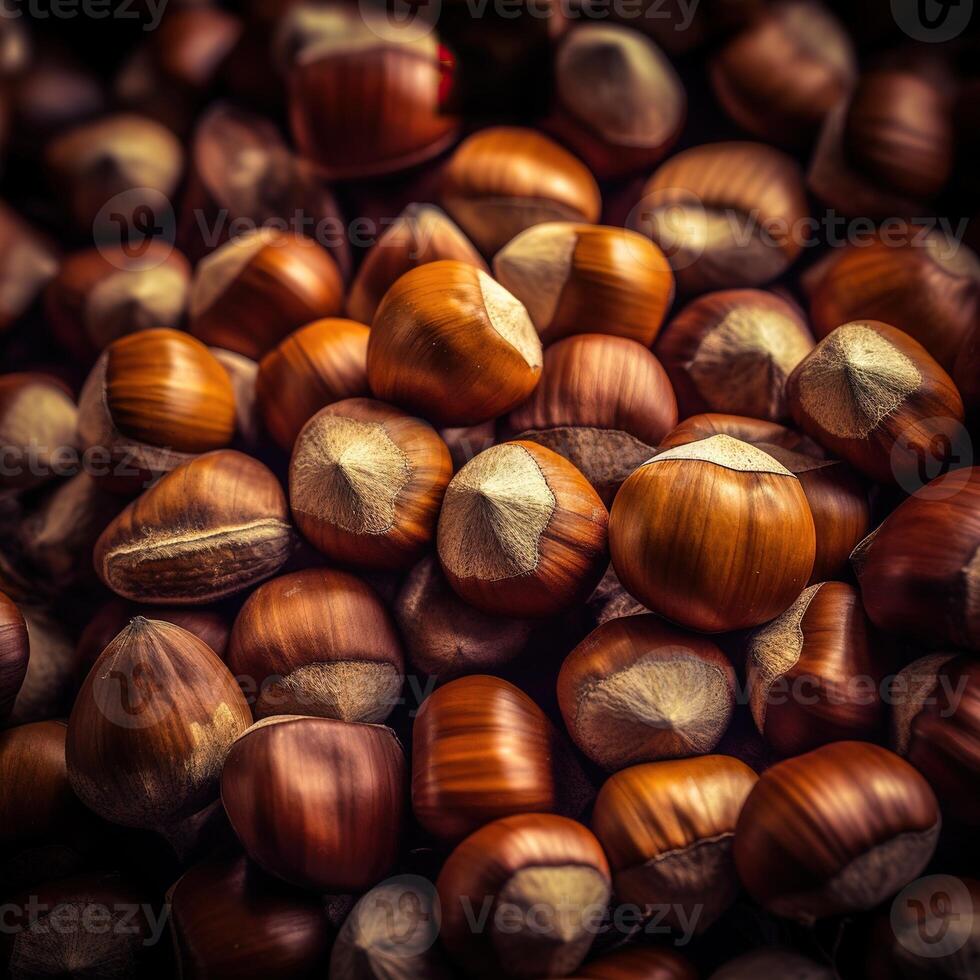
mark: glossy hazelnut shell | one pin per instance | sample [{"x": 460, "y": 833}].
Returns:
[
  {"x": 714, "y": 188},
  {"x": 940, "y": 738},
  {"x": 875, "y": 397},
  {"x": 229, "y": 919},
  {"x": 576, "y": 278},
  {"x": 38, "y": 804},
  {"x": 638, "y": 963},
  {"x": 446, "y": 637},
  {"x": 834, "y": 831},
  {"x": 150, "y": 727},
  {"x": 899, "y": 132},
  {"x": 326, "y": 641},
  {"x": 451, "y": 345},
  {"x": 489, "y": 864},
  {"x": 603, "y": 402},
  {"x": 637, "y": 690},
  {"x": 754, "y": 431},
  {"x": 619, "y": 104},
  {"x": 825, "y": 642},
  {"x": 784, "y": 72},
  {"x": 255, "y": 290},
  {"x": 421, "y": 233},
  {"x": 667, "y": 829},
  {"x": 670, "y": 533},
  {"x": 14, "y": 653},
  {"x": 323, "y": 362},
  {"x": 921, "y": 574},
  {"x": 398, "y": 87},
  {"x": 928, "y": 288},
  {"x": 504, "y": 179},
  {"x": 839, "y": 505},
  {"x": 532, "y": 551},
  {"x": 967, "y": 371},
  {"x": 482, "y": 749},
  {"x": 166, "y": 389},
  {"x": 212, "y": 527},
  {"x": 732, "y": 351},
  {"x": 315, "y": 801},
  {"x": 366, "y": 482},
  {"x": 100, "y": 294}
]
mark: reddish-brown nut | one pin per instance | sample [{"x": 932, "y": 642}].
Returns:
[
  {"x": 38, "y": 808},
  {"x": 920, "y": 571},
  {"x": 128, "y": 160},
  {"x": 874, "y": 396},
  {"x": 732, "y": 351},
  {"x": 670, "y": 534},
  {"x": 422, "y": 233},
  {"x": 482, "y": 749},
  {"x": 154, "y": 400},
  {"x": 502, "y": 180},
  {"x": 967, "y": 371},
  {"x": 575, "y": 278},
  {"x": 619, "y": 104},
  {"x": 321, "y": 363},
  {"x": 726, "y": 215},
  {"x": 638, "y": 690},
  {"x": 366, "y": 482},
  {"x": 229, "y": 919},
  {"x": 926, "y": 285},
  {"x": 444, "y": 636},
  {"x": 780, "y": 76},
  {"x": 667, "y": 828},
  {"x": 936, "y": 727},
  {"x": 887, "y": 149},
  {"x": 839, "y": 505},
  {"x": 100, "y": 294},
  {"x": 150, "y": 729},
  {"x": 773, "y": 962},
  {"x": 316, "y": 801},
  {"x": 38, "y": 419},
  {"x": 837, "y": 830},
  {"x": 603, "y": 403},
  {"x": 208, "y": 529},
  {"x": 638, "y": 963},
  {"x": 14, "y": 653},
  {"x": 258, "y": 288},
  {"x": 46, "y": 690},
  {"x": 899, "y": 132},
  {"x": 317, "y": 642},
  {"x": 244, "y": 176},
  {"x": 27, "y": 263},
  {"x": 367, "y": 94},
  {"x": 751, "y": 430},
  {"x": 169, "y": 75},
  {"x": 208, "y": 625},
  {"x": 522, "y": 532},
  {"x": 815, "y": 672},
  {"x": 451, "y": 344},
  {"x": 547, "y": 884}
]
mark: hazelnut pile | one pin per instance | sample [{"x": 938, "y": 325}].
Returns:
[{"x": 488, "y": 491}]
